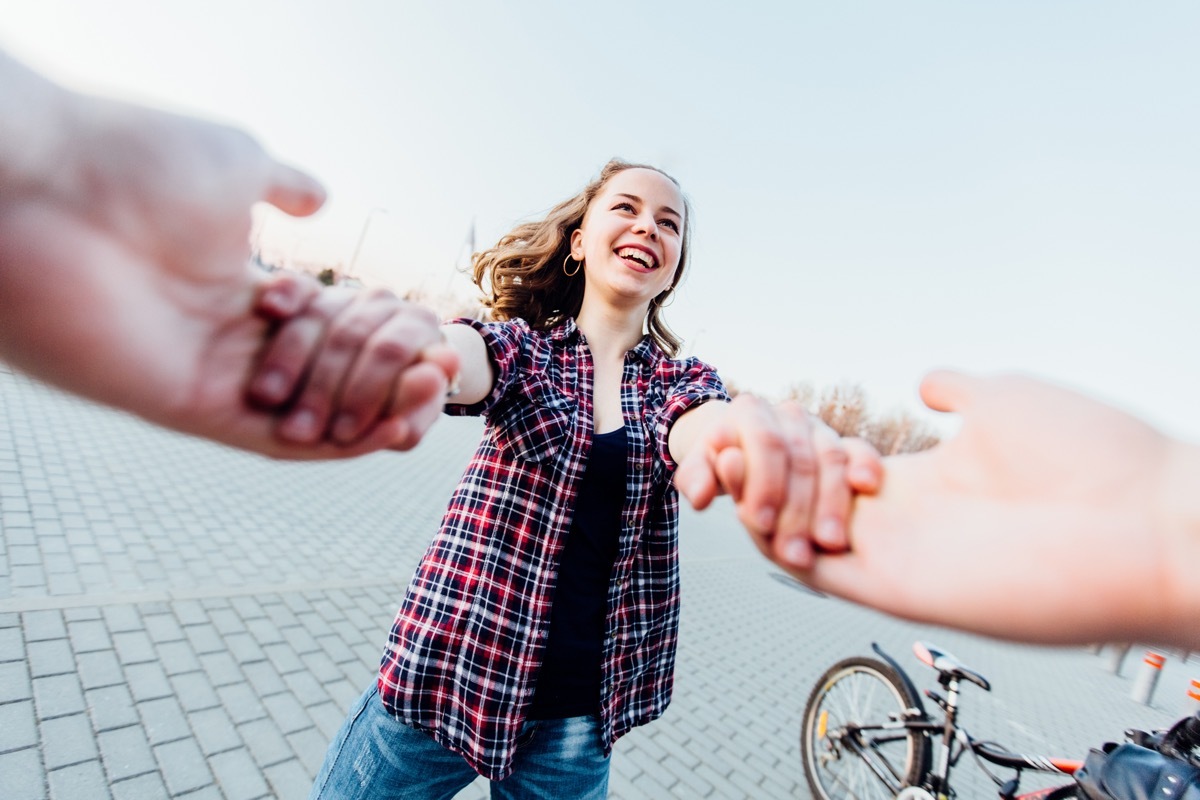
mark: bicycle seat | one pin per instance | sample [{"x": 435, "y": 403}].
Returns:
[{"x": 947, "y": 664}]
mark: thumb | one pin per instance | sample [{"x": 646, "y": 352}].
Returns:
[
  {"x": 293, "y": 192},
  {"x": 946, "y": 390}
]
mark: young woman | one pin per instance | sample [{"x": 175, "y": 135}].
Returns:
[{"x": 541, "y": 623}]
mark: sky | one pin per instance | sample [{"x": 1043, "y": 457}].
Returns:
[{"x": 879, "y": 188}]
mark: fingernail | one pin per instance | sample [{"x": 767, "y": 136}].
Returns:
[
  {"x": 344, "y": 427},
  {"x": 271, "y": 386},
  {"x": 766, "y": 519},
  {"x": 829, "y": 531},
  {"x": 862, "y": 475},
  {"x": 798, "y": 553},
  {"x": 302, "y": 425}
]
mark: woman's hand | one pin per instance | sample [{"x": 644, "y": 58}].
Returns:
[{"x": 792, "y": 479}]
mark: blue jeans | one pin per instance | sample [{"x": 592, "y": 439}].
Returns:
[{"x": 376, "y": 757}]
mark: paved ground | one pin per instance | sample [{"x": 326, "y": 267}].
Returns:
[{"x": 182, "y": 620}]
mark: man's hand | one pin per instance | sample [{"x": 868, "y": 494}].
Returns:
[{"x": 1049, "y": 517}]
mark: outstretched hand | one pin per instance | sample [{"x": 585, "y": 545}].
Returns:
[
  {"x": 791, "y": 478},
  {"x": 1042, "y": 520},
  {"x": 124, "y": 271}
]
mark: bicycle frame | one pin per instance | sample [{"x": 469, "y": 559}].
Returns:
[{"x": 866, "y": 740}]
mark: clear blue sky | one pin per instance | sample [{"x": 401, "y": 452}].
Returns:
[{"x": 879, "y": 187}]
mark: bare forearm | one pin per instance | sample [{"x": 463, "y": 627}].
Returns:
[
  {"x": 476, "y": 375},
  {"x": 32, "y": 130},
  {"x": 1179, "y": 525}
]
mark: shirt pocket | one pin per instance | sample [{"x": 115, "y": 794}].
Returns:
[{"x": 534, "y": 426}]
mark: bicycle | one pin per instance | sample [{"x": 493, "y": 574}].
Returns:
[{"x": 866, "y": 734}]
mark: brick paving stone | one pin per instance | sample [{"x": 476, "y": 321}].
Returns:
[
  {"x": 99, "y": 669},
  {"x": 306, "y": 688},
  {"x": 14, "y": 682},
  {"x": 687, "y": 775},
  {"x": 204, "y": 638},
  {"x": 80, "y": 781},
  {"x": 189, "y": 612},
  {"x": 58, "y": 696},
  {"x": 177, "y": 657},
  {"x": 50, "y": 658},
  {"x": 288, "y": 779},
  {"x": 265, "y": 631},
  {"x": 328, "y": 718},
  {"x": 183, "y": 766},
  {"x": 321, "y": 666},
  {"x": 163, "y": 720},
  {"x": 238, "y": 776},
  {"x": 40, "y": 626},
  {"x": 162, "y": 628},
  {"x": 214, "y": 730},
  {"x": 248, "y": 608},
  {"x": 263, "y": 678},
  {"x": 122, "y": 619},
  {"x": 134, "y": 647},
  {"x": 226, "y": 621},
  {"x": 12, "y": 645},
  {"x": 112, "y": 707},
  {"x": 284, "y": 658},
  {"x": 21, "y": 775},
  {"x": 244, "y": 648},
  {"x": 287, "y": 712},
  {"x": 265, "y": 742},
  {"x": 148, "y": 681},
  {"x": 310, "y": 746},
  {"x": 194, "y": 691},
  {"x": 221, "y": 669},
  {"x": 18, "y": 727},
  {"x": 67, "y": 740},
  {"x": 88, "y": 636},
  {"x": 241, "y": 702},
  {"x": 343, "y": 692},
  {"x": 143, "y": 787}
]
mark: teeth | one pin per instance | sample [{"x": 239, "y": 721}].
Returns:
[{"x": 640, "y": 256}]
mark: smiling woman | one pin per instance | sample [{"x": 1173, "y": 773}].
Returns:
[{"x": 542, "y": 623}]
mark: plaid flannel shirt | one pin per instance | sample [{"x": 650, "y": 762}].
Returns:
[{"x": 464, "y": 652}]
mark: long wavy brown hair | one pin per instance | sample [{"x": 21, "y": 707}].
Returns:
[{"x": 523, "y": 275}]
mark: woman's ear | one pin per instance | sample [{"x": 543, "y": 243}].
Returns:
[{"x": 577, "y": 244}]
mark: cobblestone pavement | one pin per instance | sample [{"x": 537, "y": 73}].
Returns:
[{"x": 182, "y": 620}]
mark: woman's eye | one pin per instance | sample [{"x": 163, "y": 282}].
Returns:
[
  {"x": 670, "y": 223},
  {"x": 623, "y": 207}
]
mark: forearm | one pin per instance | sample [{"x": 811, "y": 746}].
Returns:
[
  {"x": 1178, "y": 523},
  {"x": 692, "y": 426},
  {"x": 476, "y": 375},
  {"x": 34, "y": 117}
]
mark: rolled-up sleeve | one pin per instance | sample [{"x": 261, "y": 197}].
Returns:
[
  {"x": 507, "y": 343},
  {"x": 697, "y": 383}
]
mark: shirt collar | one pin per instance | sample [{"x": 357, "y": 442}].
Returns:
[{"x": 566, "y": 332}]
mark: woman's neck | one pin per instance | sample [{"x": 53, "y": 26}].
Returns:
[{"x": 610, "y": 332}]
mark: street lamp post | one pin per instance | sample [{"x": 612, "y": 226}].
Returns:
[{"x": 362, "y": 236}]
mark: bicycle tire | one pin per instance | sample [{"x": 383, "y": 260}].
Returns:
[{"x": 858, "y": 691}]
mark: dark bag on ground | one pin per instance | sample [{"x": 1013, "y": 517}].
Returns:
[{"x": 1130, "y": 772}]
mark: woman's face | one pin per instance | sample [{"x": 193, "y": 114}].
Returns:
[{"x": 631, "y": 236}]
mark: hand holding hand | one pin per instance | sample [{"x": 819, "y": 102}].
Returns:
[
  {"x": 1043, "y": 519},
  {"x": 792, "y": 478}
]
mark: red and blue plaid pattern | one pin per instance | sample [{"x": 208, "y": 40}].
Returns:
[{"x": 465, "y": 649}]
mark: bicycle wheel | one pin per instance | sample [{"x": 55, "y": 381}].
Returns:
[{"x": 853, "y": 693}]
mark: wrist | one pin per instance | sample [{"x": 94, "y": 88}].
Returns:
[
  {"x": 37, "y": 117},
  {"x": 1178, "y": 518}
]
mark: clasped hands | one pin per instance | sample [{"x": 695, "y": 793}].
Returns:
[{"x": 365, "y": 369}]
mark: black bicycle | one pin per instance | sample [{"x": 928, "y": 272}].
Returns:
[{"x": 866, "y": 734}]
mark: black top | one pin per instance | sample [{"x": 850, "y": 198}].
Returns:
[{"x": 568, "y": 684}]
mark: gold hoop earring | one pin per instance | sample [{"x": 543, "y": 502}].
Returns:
[
  {"x": 578, "y": 266},
  {"x": 665, "y": 299}
]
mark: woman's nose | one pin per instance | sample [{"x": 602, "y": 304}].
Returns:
[{"x": 645, "y": 223}]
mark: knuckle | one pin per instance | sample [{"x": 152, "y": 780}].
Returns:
[
  {"x": 350, "y": 334},
  {"x": 835, "y": 457},
  {"x": 390, "y": 350},
  {"x": 804, "y": 465}
]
